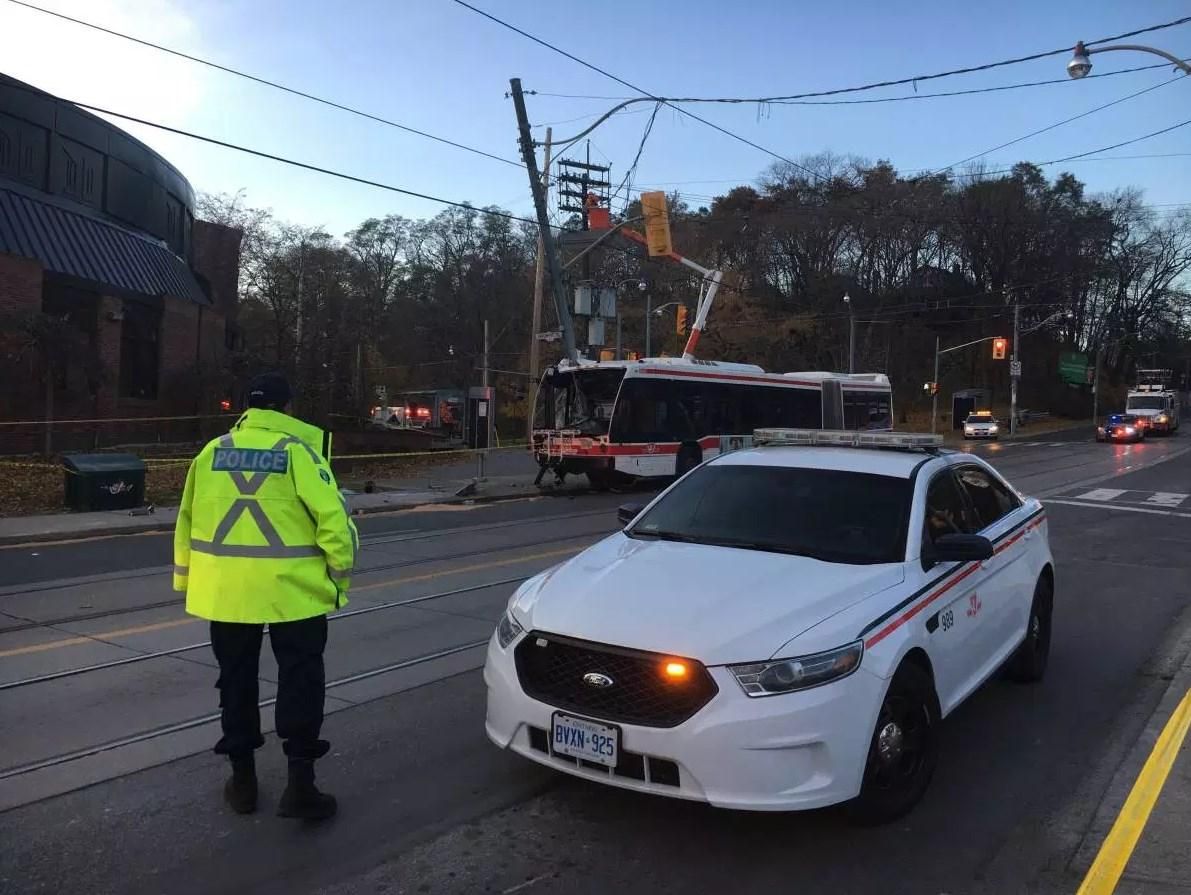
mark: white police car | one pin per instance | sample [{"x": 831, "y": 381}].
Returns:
[
  {"x": 783, "y": 628},
  {"x": 981, "y": 424}
]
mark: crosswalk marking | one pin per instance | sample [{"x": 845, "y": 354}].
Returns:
[
  {"x": 1166, "y": 498},
  {"x": 1101, "y": 494}
]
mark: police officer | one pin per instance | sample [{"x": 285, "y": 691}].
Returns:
[{"x": 264, "y": 538}]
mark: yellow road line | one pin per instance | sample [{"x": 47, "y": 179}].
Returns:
[
  {"x": 479, "y": 566},
  {"x": 76, "y": 641},
  {"x": 174, "y": 623},
  {"x": 1118, "y": 846}
]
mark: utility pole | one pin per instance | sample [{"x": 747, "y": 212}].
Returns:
[
  {"x": 1014, "y": 366},
  {"x": 484, "y": 373},
  {"x": 934, "y": 392},
  {"x": 544, "y": 233},
  {"x": 538, "y": 285},
  {"x": 1096, "y": 387}
]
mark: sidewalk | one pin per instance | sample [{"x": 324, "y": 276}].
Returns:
[
  {"x": 448, "y": 485},
  {"x": 1150, "y": 799}
]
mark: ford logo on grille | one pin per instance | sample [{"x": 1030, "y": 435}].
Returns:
[{"x": 595, "y": 679}]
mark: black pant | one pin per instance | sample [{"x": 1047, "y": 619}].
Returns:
[{"x": 301, "y": 685}]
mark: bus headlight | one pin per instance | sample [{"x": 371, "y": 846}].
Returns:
[{"x": 790, "y": 675}]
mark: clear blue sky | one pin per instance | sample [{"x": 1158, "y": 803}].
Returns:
[{"x": 440, "y": 68}]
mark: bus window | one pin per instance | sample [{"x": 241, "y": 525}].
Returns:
[
  {"x": 643, "y": 412},
  {"x": 867, "y": 410},
  {"x": 802, "y": 408}
]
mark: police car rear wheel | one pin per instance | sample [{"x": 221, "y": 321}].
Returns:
[
  {"x": 904, "y": 749},
  {"x": 1028, "y": 663}
]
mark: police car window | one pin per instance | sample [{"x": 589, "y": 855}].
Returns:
[
  {"x": 946, "y": 511},
  {"x": 991, "y": 499},
  {"x": 832, "y": 515}
]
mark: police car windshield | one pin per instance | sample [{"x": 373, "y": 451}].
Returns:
[
  {"x": 1149, "y": 402},
  {"x": 835, "y": 516},
  {"x": 979, "y": 418}
]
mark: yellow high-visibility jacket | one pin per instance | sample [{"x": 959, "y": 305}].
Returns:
[{"x": 263, "y": 534}]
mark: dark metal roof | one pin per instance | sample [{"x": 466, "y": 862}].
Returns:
[{"x": 77, "y": 245}]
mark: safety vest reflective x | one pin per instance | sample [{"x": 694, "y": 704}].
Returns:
[{"x": 263, "y": 533}]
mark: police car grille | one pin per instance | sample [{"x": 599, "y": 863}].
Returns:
[{"x": 551, "y": 669}]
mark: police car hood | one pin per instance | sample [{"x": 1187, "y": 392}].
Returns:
[{"x": 716, "y": 604}]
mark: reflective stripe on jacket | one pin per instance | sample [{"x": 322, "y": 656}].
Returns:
[{"x": 263, "y": 534}]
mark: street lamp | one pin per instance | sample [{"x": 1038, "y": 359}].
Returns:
[
  {"x": 1081, "y": 62},
  {"x": 642, "y": 286},
  {"x": 851, "y": 334}
]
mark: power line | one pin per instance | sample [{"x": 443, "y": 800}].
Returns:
[
  {"x": 645, "y": 93},
  {"x": 266, "y": 82},
  {"x": 632, "y": 169},
  {"x": 885, "y": 99},
  {"x": 858, "y": 89},
  {"x": 1057, "y": 124},
  {"x": 285, "y": 161},
  {"x": 1080, "y": 155}
]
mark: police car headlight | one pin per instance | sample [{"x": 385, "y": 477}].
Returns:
[
  {"x": 791, "y": 675},
  {"x": 508, "y": 630},
  {"x": 994, "y": 428}
]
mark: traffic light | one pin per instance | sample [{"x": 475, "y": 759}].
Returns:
[
  {"x": 680, "y": 321},
  {"x": 1000, "y": 346},
  {"x": 657, "y": 224}
]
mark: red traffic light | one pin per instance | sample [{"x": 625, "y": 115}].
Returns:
[{"x": 1000, "y": 347}]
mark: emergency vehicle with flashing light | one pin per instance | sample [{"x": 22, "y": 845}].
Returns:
[
  {"x": 1121, "y": 427},
  {"x": 783, "y": 628}
]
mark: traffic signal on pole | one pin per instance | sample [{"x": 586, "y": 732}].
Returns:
[
  {"x": 1000, "y": 346},
  {"x": 680, "y": 321},
  {"x": 657, "y": 224}
]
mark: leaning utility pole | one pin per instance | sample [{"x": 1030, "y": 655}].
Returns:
[
  {"x": 538, "y": 285},
  {"x": 543, "y": 214}
]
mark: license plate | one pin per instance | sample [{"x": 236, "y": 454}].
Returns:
[{"x": 580, "y": 738}]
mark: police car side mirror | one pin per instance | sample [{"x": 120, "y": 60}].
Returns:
[
  {"x": 627, "y": 512},
  {"x": 958, "y": 548}
]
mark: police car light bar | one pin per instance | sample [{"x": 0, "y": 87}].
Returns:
[{"x": 906, "y": 441}]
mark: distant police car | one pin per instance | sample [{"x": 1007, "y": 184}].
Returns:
[
  {"x": 1122, "y": 427},
  {"x": 981, "y": 425},
  {"x": 783, "y": 628}
]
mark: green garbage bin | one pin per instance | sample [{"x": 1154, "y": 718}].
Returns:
[{"x": 104, "y": 481}]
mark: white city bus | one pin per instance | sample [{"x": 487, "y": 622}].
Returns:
[{"x": 659, "y": 417}]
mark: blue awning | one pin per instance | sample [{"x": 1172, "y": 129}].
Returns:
[{"x": 76, "y": 244}]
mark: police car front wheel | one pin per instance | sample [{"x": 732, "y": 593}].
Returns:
[
  {"x": 1028, "y": 663},
  {"x": 904, "y": 749}
]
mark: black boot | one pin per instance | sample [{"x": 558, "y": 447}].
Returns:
[
  {"x": 240, "y": 789},
  {"x": 302, "y": 798}
]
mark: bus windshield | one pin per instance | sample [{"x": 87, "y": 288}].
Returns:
[
  {"x": 1146, "y": 402},
  {"x": 578, "y": 399}
]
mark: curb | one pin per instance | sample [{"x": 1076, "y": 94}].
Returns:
[{"x": 161, "y": 526}]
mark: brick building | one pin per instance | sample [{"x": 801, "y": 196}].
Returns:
[{"x": 114, "y": 299}]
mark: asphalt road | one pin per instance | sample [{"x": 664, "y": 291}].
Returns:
[{"x": 107, "y": 784}]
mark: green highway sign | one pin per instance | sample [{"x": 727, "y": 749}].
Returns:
[{"x": 1074, "y": 368}]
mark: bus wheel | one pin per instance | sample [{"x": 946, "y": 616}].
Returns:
[{"x": 689, "y": 456}]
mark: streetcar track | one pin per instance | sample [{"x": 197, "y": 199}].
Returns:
[
  {"x": 190, "y": 724},
  {"x": 30, "y": 624},
  {"x": 159, "y": 654},
  {"x": 365, "y": 543}
]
